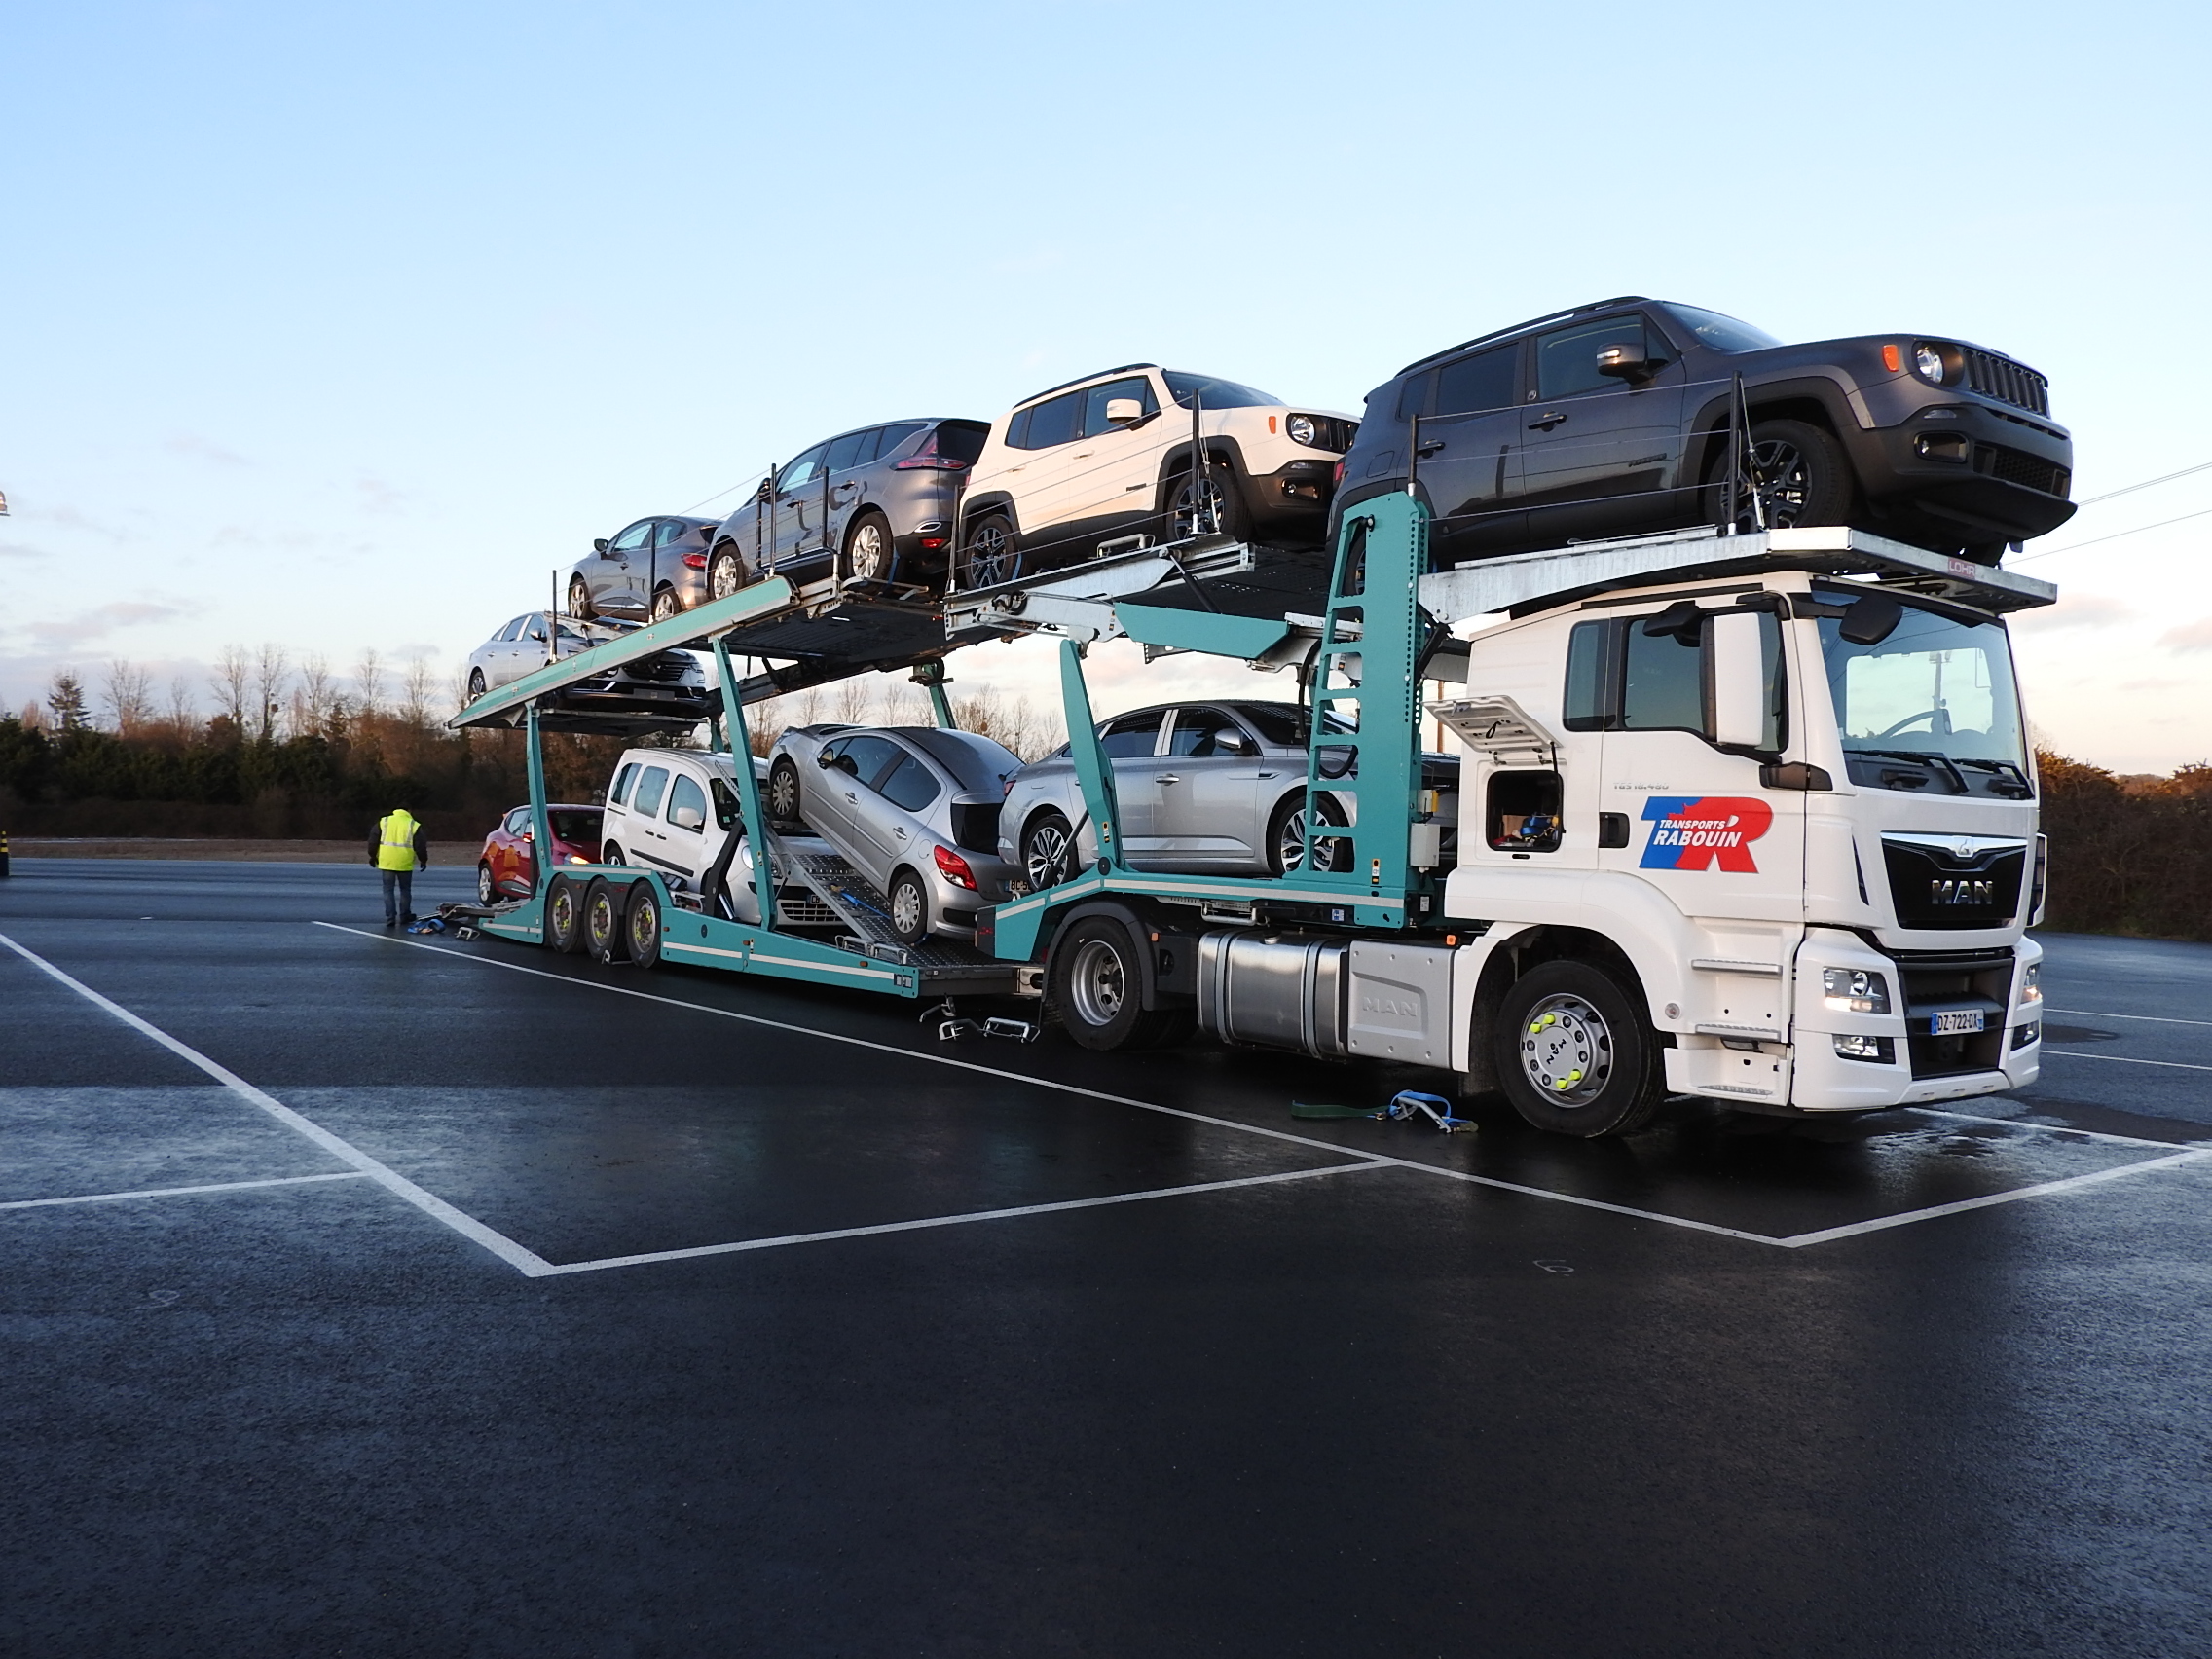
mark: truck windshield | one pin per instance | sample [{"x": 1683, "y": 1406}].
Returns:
[{"x": 1930, "y": 708}]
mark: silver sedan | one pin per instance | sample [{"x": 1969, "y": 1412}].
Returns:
[
  {"x": 912, "y": 808},
  {"x": 667, "y": 682}
]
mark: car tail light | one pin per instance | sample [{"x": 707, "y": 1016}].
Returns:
[
  {"x": 929, "y": 464},
  {"x": 931, "y": 543},
  {"x": 954, "y": 869},
  {"x": 695, "y": 561}
]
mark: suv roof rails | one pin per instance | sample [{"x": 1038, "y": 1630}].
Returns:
[
  {"x": 1533, "y": 323},
  {"x": 1079, "y": 379}
]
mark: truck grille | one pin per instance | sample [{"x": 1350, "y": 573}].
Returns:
[
  {"x": 2017, "y": 466},
  {"x": 2007, "y": 382},
  {"x": 1933, "y": 887},
  {"x": 1932, "y": 980}
]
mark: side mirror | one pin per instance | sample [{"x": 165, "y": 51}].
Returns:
[
  {"x": 1869, "y": 620},
  {"x": 1233, "y": 743},
  {"x": 1739, "y": 681},
  {"x": 1122, "y": 411},
  {"x": 1628, "y": 362},
  {"x": 825, "y": 759},
  {"x": 599, "y": 547}
]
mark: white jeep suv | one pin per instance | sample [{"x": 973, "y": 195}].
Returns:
[{"x": 1108, "y": 457}]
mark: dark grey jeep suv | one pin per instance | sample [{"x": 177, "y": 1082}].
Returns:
[
  {"x": 1613, "y": 419},
  {"x": 876, "y": 505}
]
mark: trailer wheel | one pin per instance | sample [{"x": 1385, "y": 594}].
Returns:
[
  {"x": 579, "y": 599},
  {"x": 1097, "y": 984},
  {"x": 603, "y": 920},
  {"x": 565, "y": 916},
  {"x": 1574, "y": 1052},
  {"x": 640, "y": 924},
  {"x": 783, "y": 793}
]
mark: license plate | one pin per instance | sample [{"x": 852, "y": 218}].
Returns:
[{"x": 1955, "y": 1023}]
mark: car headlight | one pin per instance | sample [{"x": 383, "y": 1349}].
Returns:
[
  {"x": 1937, "y": 363},
  {"x": 745, "y": 854},
  {"x": 1304, "y": 429},
  {"x": 2031, "y": 984},
  {"x": 1853, "y": 990}
]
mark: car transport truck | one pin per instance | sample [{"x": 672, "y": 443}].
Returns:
[{"x": 1742, "y": 815}]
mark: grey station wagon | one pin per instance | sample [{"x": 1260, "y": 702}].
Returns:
[
  {"x": 1613, "y": 419},
  {"x": 874, "y": 506}
]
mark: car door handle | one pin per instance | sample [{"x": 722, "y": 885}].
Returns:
[
  {"x": 1546, "y": 421},
  {"x": 897, "y": 832},
  {"x": 1430, "y": 448},
  {"x": 1167, "y": 778},
  {"x": 1263, "y": 776},
  {"x": 1082, "y": 455},
  {"x": 1140, "y": 486}
]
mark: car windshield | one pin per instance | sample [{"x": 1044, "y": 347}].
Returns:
[
  {"x": 1215, "y": 393},
  {"x": 1720, "y": 333},
  {"x": 1285, "y": 725},
  {"x": 1930, "y": 707},
  {"x": 979, "y": 762},
  {"x": 577, "y": 828}
]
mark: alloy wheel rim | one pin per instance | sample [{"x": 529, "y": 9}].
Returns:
[
  {"x": 722, "y": 580},
  {"x": 1097, "y": 982},
  {"x": 868, "y": 552},
  {"x": 1292, "y": 849},
  {"x": 782, "y": 793},
  {"x": 664, "y": 607},
  {"x": 906, "y": 908},
  {"x": 579, "y": 598},
  {"x": 485, "y": 885},
  {"x": 1197, "y": 509},
  {"x": 1777, "y": 474},
  {"x": 987, "y": 557},
  {"x": 1047, "y": 861},
  {"x": 476, "y": 684},
  {"x": 1567, "y": 1050}
]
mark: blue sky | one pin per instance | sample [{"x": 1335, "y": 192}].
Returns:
[{"x": 343, "y": 326}]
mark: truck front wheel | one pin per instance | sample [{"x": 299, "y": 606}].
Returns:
[
  {"x": 1097, "y": 984},
  {"x": 1575, "y": 1054}
]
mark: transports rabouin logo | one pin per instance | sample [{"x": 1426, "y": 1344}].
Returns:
[{"x": 1703, "y": 831}]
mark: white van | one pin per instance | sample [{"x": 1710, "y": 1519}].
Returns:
[{"x": 677, "y": 811}]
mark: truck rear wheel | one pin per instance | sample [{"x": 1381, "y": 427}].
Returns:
[
  {"x": 564, "y": 915},
  {"x": 1574, "y": 1052},
  {"x": 603, "y": 920},
  {"x": 640, "y": 924},
  {"x": 1097, "y": 984}
]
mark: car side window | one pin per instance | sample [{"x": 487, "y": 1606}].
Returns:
[
  {"x": 893, "y": 438},
  {"x": 910, "y": 785},
  {"x": 1201, "y": 733},
  {"x": 1566, "y": 359},
  {"x": 672, "y": 530},
  {"x": 804, "y": 469},
  {"x": 846, "y": 452},
  {"x": 1413, "y": 397},
  {"x": 1136, "y": 387},
  {"x": 1132, "y": 737},
  {"x": 633, "y": 539},
  {"x": 1481, "y": 381},
  {"x": 728, "y": 809},
  {"x": 869, "y": 757},
  {"x": 535, "y": 629},
  {"x": 619, "y": 794},
  {"x": 652, "y": 784},
  {"x": 1051, "y": 424},
  {"x": 687, "y": 803},
  {"x": 518, "y": 821}
]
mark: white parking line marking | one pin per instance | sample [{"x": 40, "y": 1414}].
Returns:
[
  {"x": 2126, "y": 1061},
  {"x": 1068, "y": 1089},
  {"x": 1830, "y": 1235},
  {"x": 467, "y": 1226},
  {"x": 177, "y": 1192},
  {"x": 957, "y": 1220},
  {"x": 2154, "y": 1018},
  {"x": 2054, "y": 1128}
]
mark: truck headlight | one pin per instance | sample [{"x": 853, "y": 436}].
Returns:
[
  {"x": 2031, "y": 984},
  {"x": 1303, "y": 429},
  {"x": 1853, "y": 990}
]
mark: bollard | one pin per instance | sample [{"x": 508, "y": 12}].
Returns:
[{"x": 3, "y": 854}]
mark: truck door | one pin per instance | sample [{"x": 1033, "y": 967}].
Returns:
[
  {"x": 1210, "y": 811},
  {"x": 1700, "y": 827},
  {"x": 1597, "y": 452},
  {"x": 1467, "y": 455}
]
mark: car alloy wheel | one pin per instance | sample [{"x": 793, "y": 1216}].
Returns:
[
  {"x": 783, "y": 791},
  {"x": 867, "y": 554},
  {"x": 476, "y": 684},
  {"x": 990, "y": 558},
  {"x": 1048, "y": 852},
  {"x": 665, "y": 605},
  {"x": 909, "y": 909},
  {"x": 579, "y": 599},
  {"x": 1330, "y": 854},
  {"x": 1205, "y": 506},
  {"x": 725, "y": 575},
  {"x": 487, "y": 889},
  {"x": 1567, "y": 1050}
]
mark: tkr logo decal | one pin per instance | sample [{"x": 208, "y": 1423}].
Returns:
[{"x": 1703, "y": 831}]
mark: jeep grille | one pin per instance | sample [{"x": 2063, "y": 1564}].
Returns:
[{"x": 2007, "y": 382}]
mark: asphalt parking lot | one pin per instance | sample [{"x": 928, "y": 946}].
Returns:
[{"x": 367, "y": 1295}]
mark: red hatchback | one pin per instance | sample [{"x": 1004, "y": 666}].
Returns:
[{"x": 507, "y": 869}]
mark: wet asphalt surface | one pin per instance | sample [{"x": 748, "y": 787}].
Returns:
[{"x": 1346, "y": 1401}]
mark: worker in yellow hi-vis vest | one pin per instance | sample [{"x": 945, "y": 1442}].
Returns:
[{"x": 397, "y": 849}]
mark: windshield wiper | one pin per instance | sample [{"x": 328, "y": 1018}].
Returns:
[
  {"x": 2007, "y": 773},
  {"x": 1925, "y": 758}
]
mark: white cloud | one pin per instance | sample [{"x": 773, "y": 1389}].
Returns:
[
  {"x": 2194, "y": 635},
  {"x": 2077, "y": 611},
  {"x": 76, "y": 632},
  {"x": 204, "y": 449}
]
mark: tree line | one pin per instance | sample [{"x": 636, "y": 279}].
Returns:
[{"x": 2127, "y": 855}]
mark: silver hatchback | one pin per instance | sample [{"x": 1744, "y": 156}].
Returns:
[{"x": 914, "y": 809}]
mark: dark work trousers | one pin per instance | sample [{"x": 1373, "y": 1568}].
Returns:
[{"x": 404, "y": 880}]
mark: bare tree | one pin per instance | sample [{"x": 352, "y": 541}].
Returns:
[
  {"x": 318, "y": 696},
  {"x": 906, "y": 704},
  {"x": 33, "y": 717},
  {"x": 418, "y": 692},
  {"x": 128, "y": 696},
  {"x": 272, "y": 672},
  {"x": 233, "y": 681},
  {"x": 855, "y": 697},
  {"x": 183, "y": 714},
  {"x": 368, "y": 681}
]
